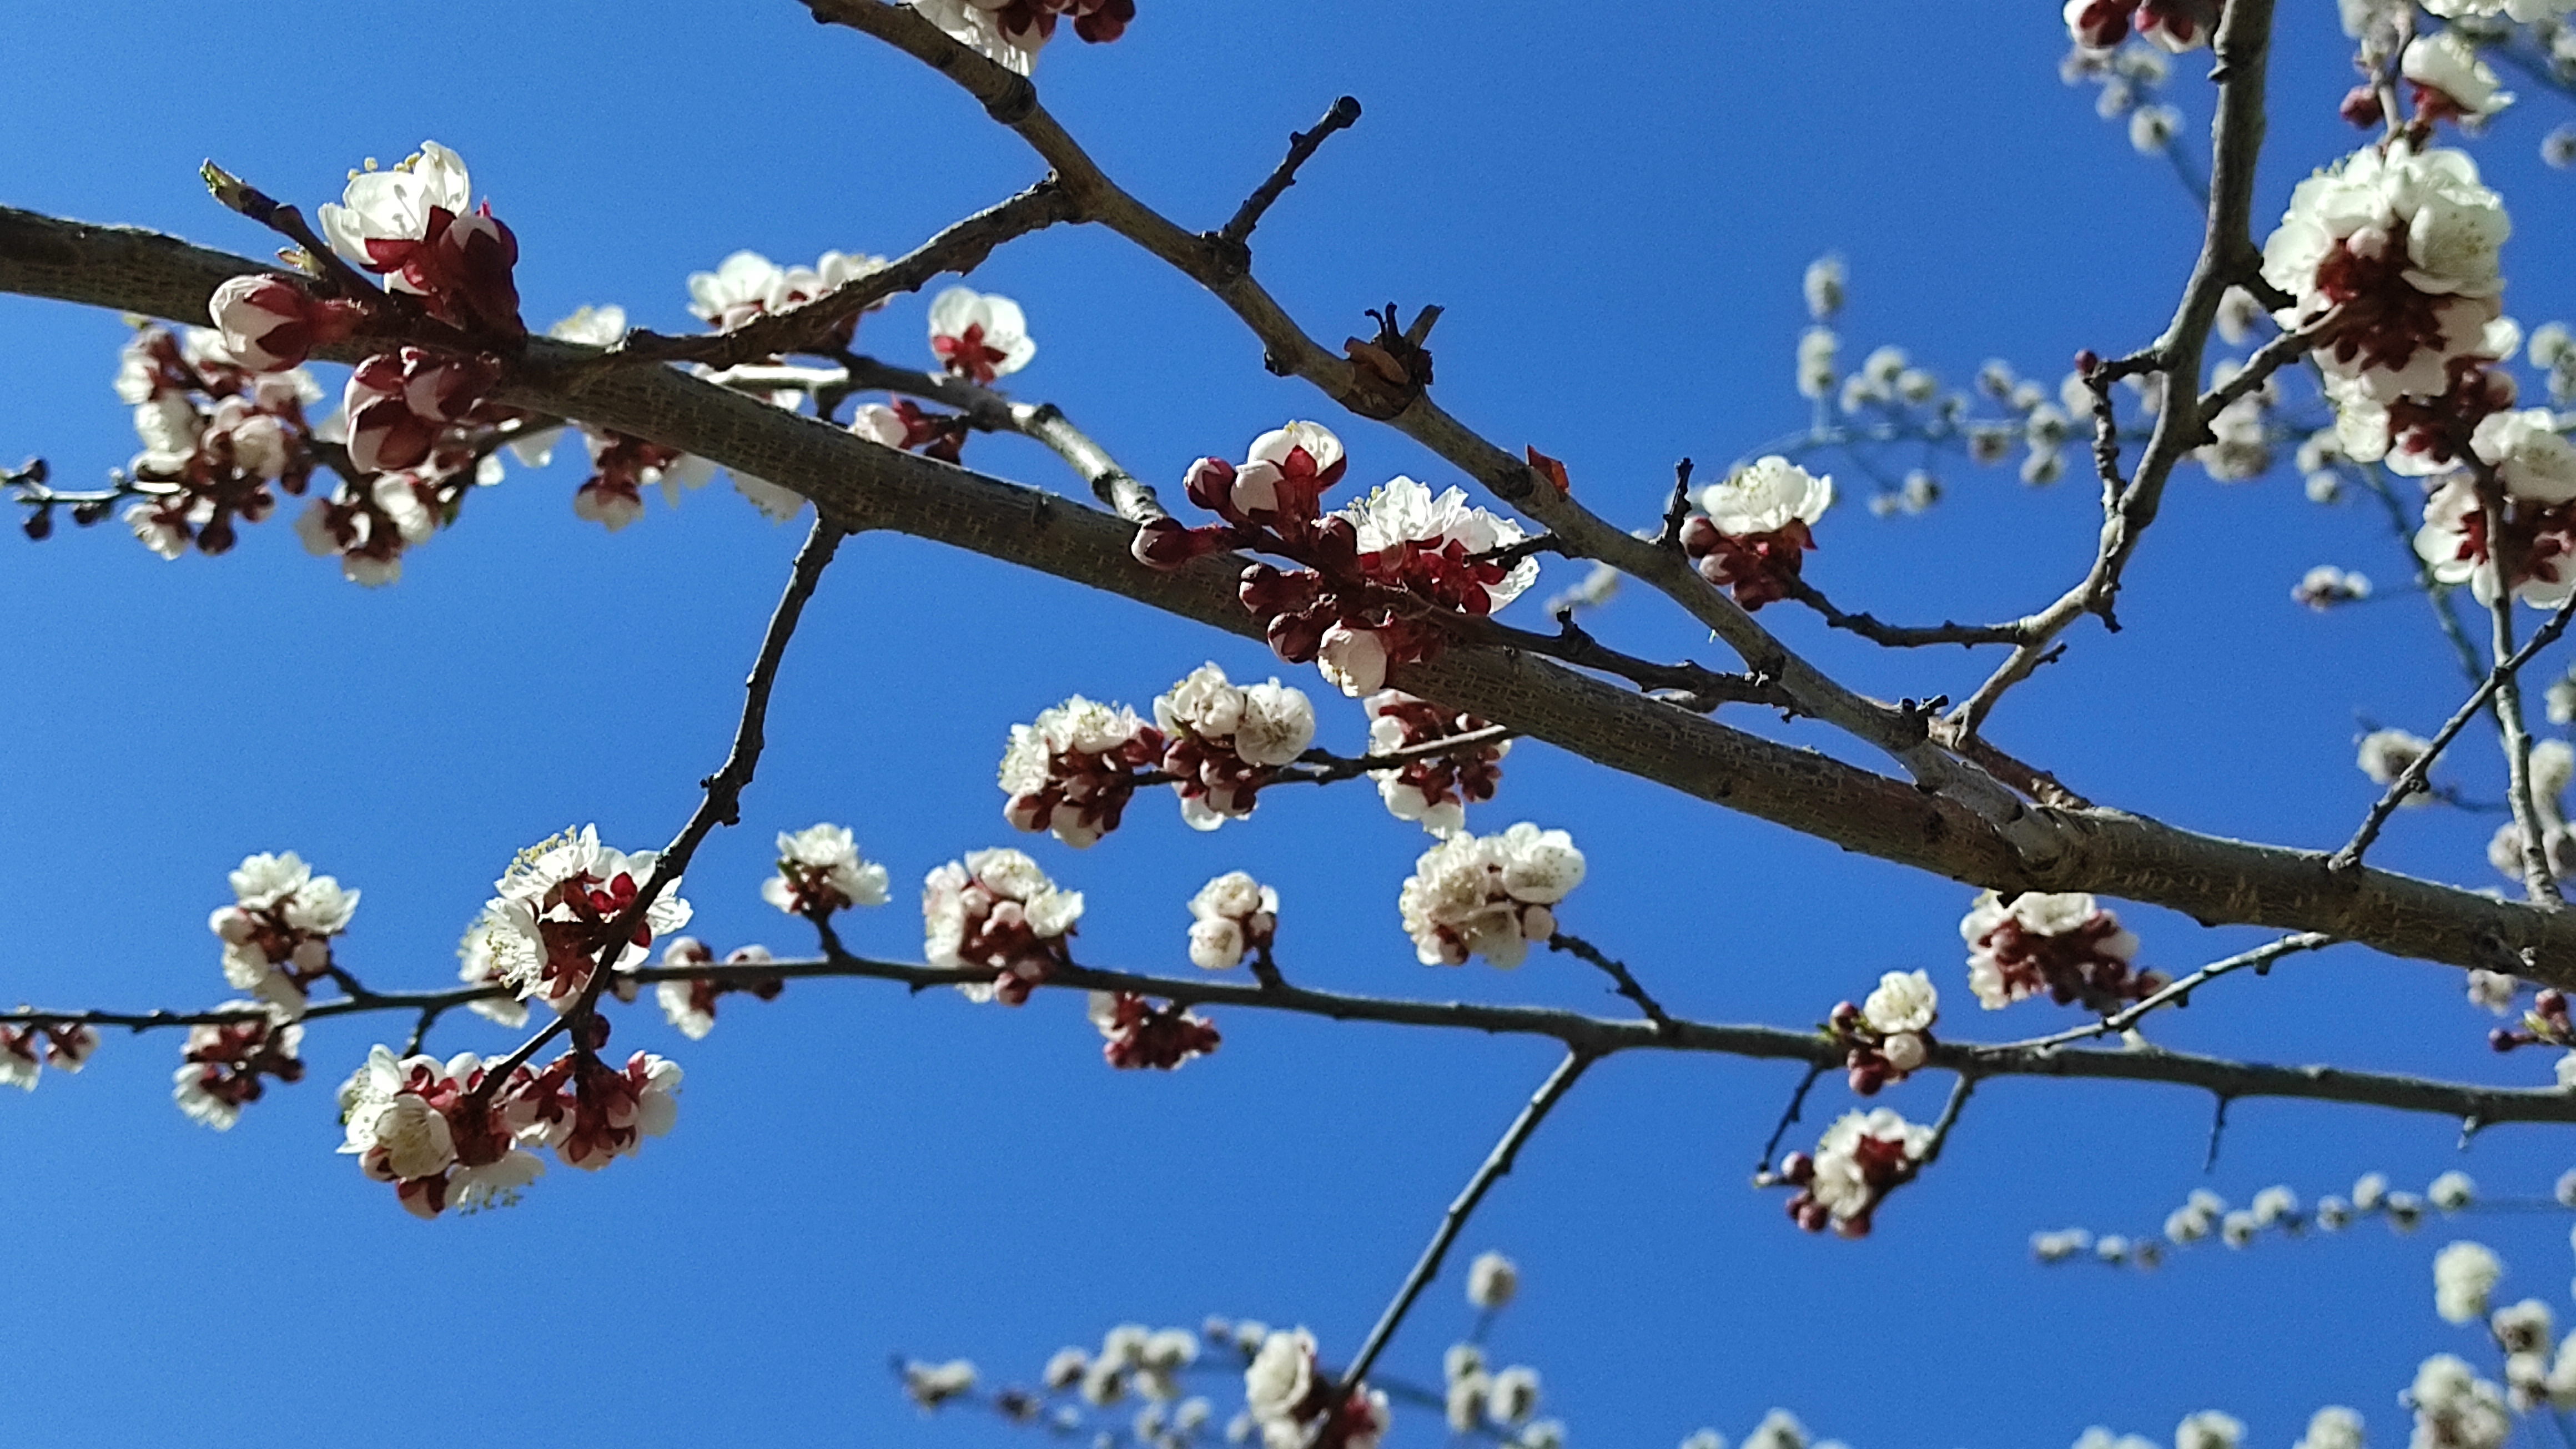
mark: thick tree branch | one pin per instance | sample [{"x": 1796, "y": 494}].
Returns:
[{"x": 864, "y": 486}]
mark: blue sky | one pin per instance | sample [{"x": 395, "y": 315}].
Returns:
[{"x": 1615, "y": 216}]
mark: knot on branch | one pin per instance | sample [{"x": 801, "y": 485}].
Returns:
[
  {"x": 1015, "y": 102},
  {"x": 1390, "y": 370}
]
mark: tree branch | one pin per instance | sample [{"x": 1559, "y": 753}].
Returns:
[
  {"x": 1496, "y": 1166},
  {"x": 1302, "y": 146}
]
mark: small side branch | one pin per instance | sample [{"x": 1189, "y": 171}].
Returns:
[
  {"x": 1302, "y": 146},
  {"x": 1897, "y": 636},
  {"x": 2414, "y": 778},
  {"x": 1618, "y": 974},
  {"x": 1497, "y": 1165},
  {"x": 2178, "y": 993}
]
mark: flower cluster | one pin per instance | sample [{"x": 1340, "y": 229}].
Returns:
[
  {"x": 411, "y": 226},
  {"x": 546, "y": 931},
  {"x": 222, "y": 1062},
  {"x": 2177, "y": 25},
  {"x": 1143, "y": 1034},
  {"x": 2455, "y": 1409},
  {"x": 1753, "y": 534},
  {"x": 1231, "y": 915},
  {"x": 2063, "y": 945},
  {"x": 621, "y": 467},
  {"x": 747, "y": 286},
  {"x": 997, "y": 912},
  {"x": 1375, "y": 577},
  {"x": 1291, "y": 1402},
  {"x": 1889, "y": 1034},
  {"x": 2546, "y": 1023},
  {"x": 1013, "y": 31},
  {"x": 690, "y": 1004},
  {"x": 1482, "y": 1398},
  {"x": 2536, "y": 469},
  {"x": 820, "y": 871},
  {"x": 2449, "y": 82},
  {"x": 28, "y": 1048},
  {"x": 1433, "y": 789},
  {"x": 2323, "y": 587},
  {"x": 1073, "y": 771},
  {"x": 2552, "y": 770},
  {"x": 979, "y": 336},
  {"x": 446, "y": 1135},
  {"x": 218, "y": 433},
  {"x": 1488, "y": 895},
  {"x": 1224, "y": 741},
  {"x": 2204, "y": 1215},
  {"x": 277, "y": 933},
  {"x": 1860, "y": 1159}
]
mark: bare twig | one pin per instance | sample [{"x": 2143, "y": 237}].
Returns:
[
  {"x": 1497, "y": 1165},
  {"x": 1897, "y": 636},
  {"x": 1677, "y": 511},
  {"x": 1789, "y": 1116},
  {"x": 2539, "y": 880},
  {"x": 1618, "y": 973},
  {"x": 1301, "y": 146},
  {"x": 1329, "y": 768},
  {"x": 2178, "y": 993},
  {"x": 2413, "y": 778}
]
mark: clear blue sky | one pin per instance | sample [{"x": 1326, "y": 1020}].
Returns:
[{"x": 1614, "y": 206}]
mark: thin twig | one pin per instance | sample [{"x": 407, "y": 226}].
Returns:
[
  {"x": 2178, "y": 993},
  {"x": 1618, "y": 973},
  {"x": 1301, "y": 146},
  {"x": 1789, "y": 1116},
  {"x": 1329, "y": 768},
  {"x": 2412, "y": 779},
  {"x": 1677, "y": 511},
  {"x": 1898, "y": 636},
  {"x": 2539, "y": 879},
  {"x": 1497, "y": 1164}
]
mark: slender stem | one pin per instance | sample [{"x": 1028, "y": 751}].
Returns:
[
  {"x": 1618, "y": 973},
  {"x": 1497, "y": 1164},
  {"x": 1302, "y": 145},
  {"x": 2178, "y": 993},
  {"x": 2539, "y": 878},
  {"x": 1789, "y": 1116}
]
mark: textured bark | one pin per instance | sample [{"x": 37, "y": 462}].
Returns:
[{"x": 865, "y": 486}]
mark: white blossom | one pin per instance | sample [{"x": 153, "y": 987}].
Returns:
[
  {"x": 979, "y": 336},
  {"x": 2451, "y": 1191},
  {"x": 819, "y": 868},
  {"x": 1492, "y": 1281},
  {"x": 1765, "y": 496},
  {"x": 2463, "y": 1274},
  {"x": 2386, "y": 754},
  {"x": 2332, "y": 1427},
  {"x": 1905, "y": 1001},
  {"x": 2208, "y": 1429},
  {"x": 2442, "y": 61},
  {"x": 1488, "y": 895}
]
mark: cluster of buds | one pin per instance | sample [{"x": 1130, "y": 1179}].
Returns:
[
  {"x": 1231, "y": 915},
  {"x": 218, "y": 434},
  {"x": 1889, "y": 1035},
  {"x": 1861, "y": 1158},
  {"x": 690, "y": 1004},
  {"x": 1013, "y": 31},
  {"x": 546, "y": 932},
  {"x": 1074, "y": 770},
  {"x": 2325, "y": 586},
  {"x": 996, "y": 911},
  {"x": 2546, "y": 1023},
  {"x": 1291, "y": 1401},
  {"x": 747, "y": 286},
  {"x": 905, "y": 425},
  {"x": 1223, "y": 741},
  {"x": 1433, "y": 789},
  {"x": 1753, "y": 534},
  {"x": 2063, "y": 945},
  {"x": 222, "y": 1062},
  {"x": 1143, "y": 1034},
  {"x": 1481, "y": 1397},
  {"x": 27, "y": 1048},
  {"x": 1488, "y": 895},
  {"x": 621, "y": 468},
  {"x": 277, "y": 933},
  {"x": 2177, "y": 25},
  {"x": 978, "y": 336},
  {"x": 821, "y": 871},
  {"x": 1132, "y": 1357},
  {"x": 446, "y": 1135},
  {"x": 1377, "y": 576}
]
